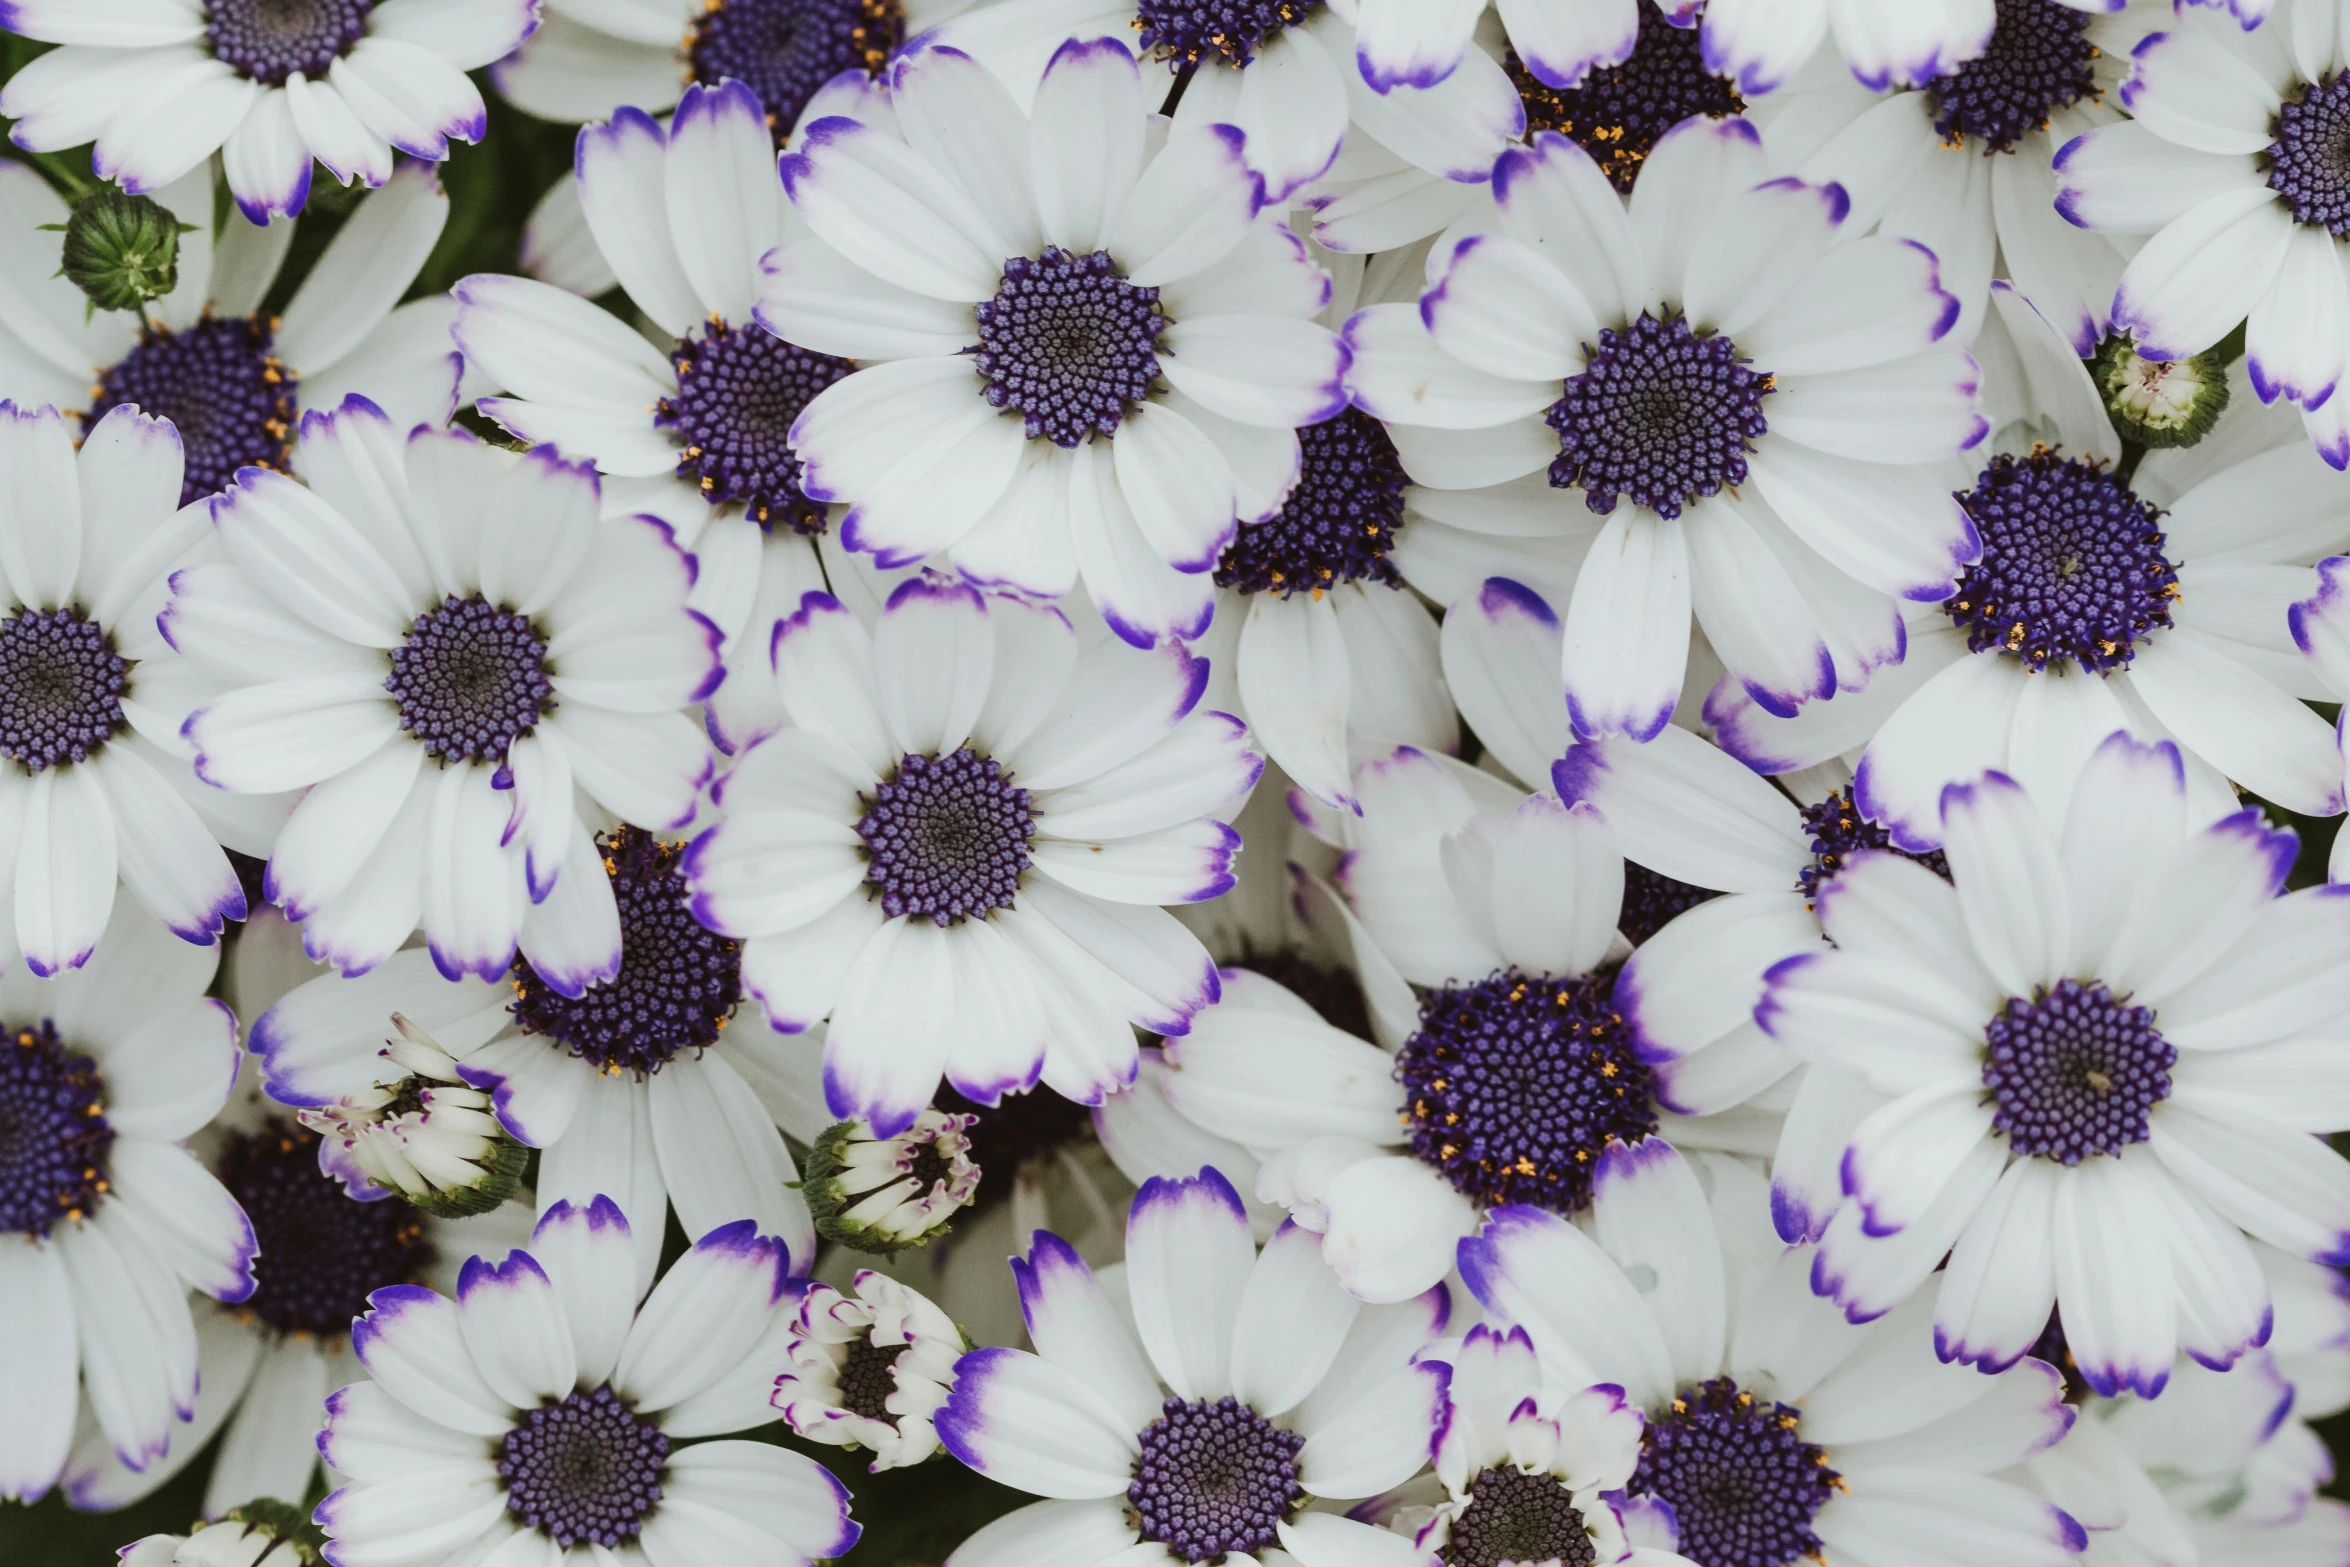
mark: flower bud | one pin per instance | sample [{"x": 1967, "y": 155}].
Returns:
[
  {"x": 869, "y": 1369},
  {"x": 422, "y": 1132},
  {"x": 121, "y": 250},
  {"x": 261, "y": 1533},
  {"x": 885, "y": 1194},
  {"x": 2159, "y": 402}
]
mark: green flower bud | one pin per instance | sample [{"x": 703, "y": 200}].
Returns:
[
  {"x": 121, "y": 250},
  {"x": 887, "y": 1194},
  {"x": 2157, "y": 402}
]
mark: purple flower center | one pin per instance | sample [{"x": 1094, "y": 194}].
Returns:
[
  {"x": 1188, "y": 31},
  {"x": 2073, "y": 1071},
  {"x": 269, "y": 40},
  {"x": 784, "y": 50},
  {"x": 470, "y": 680},
  {"x": 679, "y": 981},
  {"x": 1659, "y": 414},
  {"x": 61, "y": 685},
  {"x": 738, "y": 391},
  {"x": 868, "y": 1375},
  {"x": 2040, "y": 60},
  {"x": 1337, "y": 525},
  {"x": 1514, "y": 1516},
  {"x": 584, "y": 1471},
  {"x": 320, "y": 1252},
  {"x": 1617, "y": 113},
  {"x": 1838, "y": 832},
  {"x": 1068, "y": 344},
  {"x": 2072, "y": 565},
  {"x": 1743, "y": 1483},
  {"x": 1212, "y": 1478},
  {"x": 1514, "y": 1085},
  {"x": 1652, "y": 901},
  {"x": 2309, "y": 162},
  {"x": 947, "y": 837},
  {"x": 220, "y": 384},
  {"x": 53, "y": 1132}
]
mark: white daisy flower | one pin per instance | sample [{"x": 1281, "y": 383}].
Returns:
[
  {"x": 1083, "y": 408},
  {"x": 2100, "y": 602},
  {"x": 958, "y": 852},
  {"x": 697, "y": 434},
  {"x": 1529, "y": 1469},
  {"x": 2226, "y": 162},
  {"x": 1402, "y": 177},
  {"x": 589, "y": 58},
  {"x": 544, "y": 1400},
  {"x": 234, "y": 380},
  {"x": 1287, "y": 74},
  {"x": 162, "y": 85},
  {"x": 1826, "y": 378},
  {"x": 1195, "y": 1420},
  {"x": 1776, "y": 1431},
  {"x": 2081, "y": 1073},
  {"x": 108, "y": 1221},
  {"x": 91, "y": 695},
  {"x": 457, "y": 657},
  {"x": 2048, "y": 75},
  {"x": 870, "y": 1368},
  {"x": 635, "y": 1086}
]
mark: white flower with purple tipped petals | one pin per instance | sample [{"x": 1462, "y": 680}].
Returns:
[
  {"x": 1775, "y": 1430},
  {"x": 1884, "y": 43},
  {"x": 106, "y": 1221},
  {"x": 545, "y": 1400},
  {"x": 457, "y": 657},
  {"x": 1072, "y": 339},
  {"x": 958, "y": 852},
  {"x": 1826, "y": 377},
  {"x": 1194, "y": 1420},
  {"x": 870, "y": 1368},
  {"x": 164, "y": 84},
  {"x": 1419, "y": 43},
  {"x": 2084, "y": 1073}
]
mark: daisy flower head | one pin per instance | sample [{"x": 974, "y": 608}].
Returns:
[
  {"x": 958, "y": 851},
  {"x": 635, "y": 1084},
  {"x": 456, "y": 656},
  {"x": 2238, "y": 187},
  {"x": 1787, "y": 487},
  {"x": 2101, "y": 600},
  {"x": 1774, "y": 1431},
  {"x": 586, "y": 61},
  {"x": 697, "y": 433},
  {"x": 543, "y": 1399},
  {"x": 107, "y": 1220},
  {"x": 420, "y": 1132},
  {"x": 1196, "y": 1418},
  {"x": 1083, "y": 407},
  {"x": 882, "y": 1195},
  {"x": 871, "y": 1367},
  {"x": 270, "y": 85},
  {"x": 2080, "y": 1072}
]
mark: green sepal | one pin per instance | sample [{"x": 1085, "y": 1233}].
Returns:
[{"x": 498, "y": 1183}]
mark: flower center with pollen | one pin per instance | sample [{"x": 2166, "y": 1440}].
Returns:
[
  {"x": 269, "y": 40},
  {"x": 1659, "y": 414},
  {"x": 585, "y": 1471},
  {"x": 320, "y": 1252},
  {"x": 947, "y": 837},
  {"x": 738, "y": 391},
  {"x": 1514, "y": 1516},
  {"x": 2040, "y": 60},
  {"x": 218, "y": 382},
  {"x": 868, "y": 1376},
  {"x": 2073, "y": 1071},
  {"x": 1068, "y": 344},
  {"x": 1743, "y": 1483},
  {"x": 2309, "y": 161},
  {"x": 2072, "y": 564},
  {"x": 1618, "y": 113},
  {"x": 470, "y": 680},
  {"x": 1188, "y": 31},
  {"x": 1338, "y": 523},
  {"x": 53, "y": 1132},
  {"x": 1514, "y": 1085},
  {"x": 1212, "y": 1478},
  {"x": 679, "y": 981},
  {"x": 1838, "y": 832},
  {"x": 784, "y": 50},
  {"x": 61, "y": 685}
]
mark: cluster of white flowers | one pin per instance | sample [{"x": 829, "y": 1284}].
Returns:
[{"x": 1558, "y": 751}]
